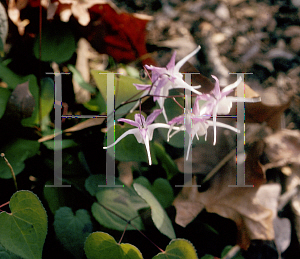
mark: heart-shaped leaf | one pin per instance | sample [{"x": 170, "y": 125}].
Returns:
[
  {"x": 72, "y": 230},
  {"x": 178, "y": 249},
  {"x": 122, "y": 200},
  {"x": 23, "y": 231},
  {"x": 161, "y": 189},
  {"x": 158, "y": 214},
  {"x": 100, "y": 245}
]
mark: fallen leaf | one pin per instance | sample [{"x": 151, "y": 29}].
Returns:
[
  {"x": 80, "y": 126},
  {"x": 239, "y": 204},
  {"x": 118, "y": 34}
]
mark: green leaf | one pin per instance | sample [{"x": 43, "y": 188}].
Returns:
[
  {"x": 79, "y": 79},
  {"x": 178, "y": 249},
  {"x": 72, "y": 230},
  {"x": 96, "y": 103},
  {"x": 122, "y": 200},
  {"x": 58, "y": 43},
  {"x": 165, "y": 160},
  {"x": 16, "y": 152},
  {"x": 161, "y": 189},
  {"x": 158, "y": 214},
  {"x": 227, "y": 249},
  {"x": 4, "y": 254},
  {"x": 100, "y": 245},
  {"x": 23, "y": 231},
  {"x": 124, "y": 90},
  {"x": 65, "y": 143},
  {"x": 92, "y": 182},
  {"x": 4, "y": 96}
]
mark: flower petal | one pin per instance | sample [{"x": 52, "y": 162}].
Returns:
[
  {"x": 232, "y": 86},
  {"x": 171, "y": 63},
  {"x": 142, "y": 87},
  {"x": 153, "y": 116},
  {"x": 131, "y": 122},
  {"x": 148, "y": 149},
  {"x": 128, "y": 132},
  {"x": 185, "y": 59}
]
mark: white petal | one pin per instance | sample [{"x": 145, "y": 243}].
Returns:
[
  {"x": 185, "y": 59},
  {"x": 232, "y": 86},
  {"x": 128, "y": 132},
  {"x": 148, "y": 149}
]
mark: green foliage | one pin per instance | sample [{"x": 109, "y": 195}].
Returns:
[
  {"x": 227, "y": 249},
  {"x": 165, "y": 160},
  {"x": 122, "y": 200},
  {"x": 17, "y": 151},
  {"x": 23, "y": 231},
  {"x": 161, "y": 189},
  {"x": 4, "y": 96},
  {"x": 158, "y": 214},
  {"x": 178, "y": 249},
  {"x": 79, "y": 79},
  {"x": 102, "y": 245},
  {"x": 72, "y": 230},
  {"x": 4, "y": 254},
  {"x": 47, "y": 93},
  {"x": 58, "y": 43},
  {"x": 124, "y": 90}
]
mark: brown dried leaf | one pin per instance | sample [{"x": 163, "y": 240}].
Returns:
[
  {"x": 80, "y": 126},
  {"x": 239, "y": 204}
]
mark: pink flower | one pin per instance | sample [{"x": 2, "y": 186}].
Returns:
[
  {"x": 195, "y": 124},
  {"x": 144, "y": 130},
  {"x": 166, "y": 78}
]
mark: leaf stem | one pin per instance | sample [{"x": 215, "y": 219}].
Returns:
[{"x": 11, "y": 169}]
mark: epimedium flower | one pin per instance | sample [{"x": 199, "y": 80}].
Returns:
[
  {"x": 195, "y": 124},
  {"x": 166, "y": 78},
  {"x": 144, "y": 130},
  {"x": 218, "y": 102}
]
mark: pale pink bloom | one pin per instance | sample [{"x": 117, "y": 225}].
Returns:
[
  {"x": 167, "y": 78},
  {"x": 144, "y": 130}
]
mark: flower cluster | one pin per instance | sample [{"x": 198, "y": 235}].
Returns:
[{"x": 195, "y": 122}]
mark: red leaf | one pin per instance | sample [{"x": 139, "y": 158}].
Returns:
[{"x": 122, "y": 34}]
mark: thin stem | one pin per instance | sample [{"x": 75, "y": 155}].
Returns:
[
  {"x": 4, "y": 204},
  {"x": 11, "y": 170},
  {"x": 178, "y": 103},
  {"x": 123, "y": 233},
  {"x": 148, "y": 74},
  {"x": 147, "y": 238}
]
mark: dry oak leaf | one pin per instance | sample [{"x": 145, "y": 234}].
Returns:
[{"x": 237, "y": 203}]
